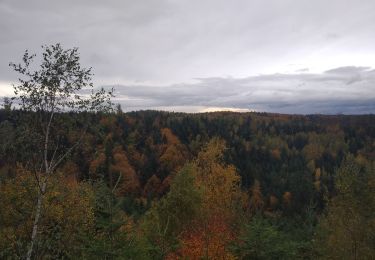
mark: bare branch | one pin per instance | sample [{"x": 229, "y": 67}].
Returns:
[
  {"x": 117, "y": 182},
  {"x": 62, "y": 157}
]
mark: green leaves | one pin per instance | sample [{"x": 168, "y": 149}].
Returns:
[
  {"x": 59, "y": 84},
  {"x": 113, "y": 237},
  {"x": 348, "y": 229},
  {"x": 173, "y": 213},
  {"x": 262, "y": 240}
]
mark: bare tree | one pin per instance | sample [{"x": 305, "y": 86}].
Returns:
[{"x": 58, "y": 85}]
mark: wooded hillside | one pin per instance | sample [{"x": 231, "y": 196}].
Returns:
[{"x": 161, "y": 185}]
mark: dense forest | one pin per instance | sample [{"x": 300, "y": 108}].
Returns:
[
  {"x": 162, "y": 185},
  {"x": 82, "y": 180}
]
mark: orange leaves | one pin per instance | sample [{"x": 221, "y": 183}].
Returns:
[
  {"x": 221, "y": 197},
  {"x": 96, "y": 163},
  {"x": 173, "y": 158},
  {"x": 165, "y": 184},
  {"x": 169, "y": 136},
  {"x": 205, "y": 240},
  {"x": 199, "y": 211},
  {"x": 119, "y": 167},
  {"x": 287, "y": 199},
  {"x": 152, "y": 187},
  {"x": 276, "y": 154},
  {"x": 274, "y": 201},
  {"x": 174, "y": 154},
  {"x": 129, "y": 182}
]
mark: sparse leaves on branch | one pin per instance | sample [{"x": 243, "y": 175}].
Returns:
[{"x": 59, "y": 84}]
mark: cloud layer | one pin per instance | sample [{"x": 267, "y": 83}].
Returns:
[
  {"x": 209, "y": 53},
  {"x": 348, "y": 90}
]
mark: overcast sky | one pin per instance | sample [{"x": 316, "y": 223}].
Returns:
[{"x": 287, "y": 56}]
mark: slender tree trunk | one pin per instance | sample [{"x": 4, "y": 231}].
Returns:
[
  {"x": 41, "y": 189},
  {"x": 36, "y": 220}
]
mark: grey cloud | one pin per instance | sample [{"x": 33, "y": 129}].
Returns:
[
  {"x": 348, "y": 70},
  {"x": 351, "y": 73},
  {"x": 213, "y": 46},
  {"x": 175, "y": 41},
  {"x": 284, "y": 93},
  {"x": 332, "y": 36}
]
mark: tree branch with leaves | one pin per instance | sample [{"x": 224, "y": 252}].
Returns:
[{"x": 59, "y": 84}]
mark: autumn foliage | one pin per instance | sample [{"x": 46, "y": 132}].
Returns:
[{"x": 155, "y": 185}]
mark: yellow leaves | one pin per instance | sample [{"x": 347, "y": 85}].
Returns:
[
  {"x": 348, "y": 227},
  {"x": 173, "y": 158},
  {"x": 219, "y": 183},
  {"x": 313, "y": 151},
  {"x": 71, "y": 171},
  {"x": 17, "y": 202},
  {"x": 311, "y": 165},
  {"x": 361, "y": 160},
  {"x": 317, "y": 176},
  {"x": 221, "y": 197},
  {"x": 220, "y": 188},
  {"x": 66, "y": 205},
  {"x": 324, "y": 143},
  {"x": 204, "y": 202},
  {"x": 211, "y": 154},
  {"x": 69, "y": 204}
]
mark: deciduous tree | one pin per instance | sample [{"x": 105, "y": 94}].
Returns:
[{"x": 60, "y": 84}]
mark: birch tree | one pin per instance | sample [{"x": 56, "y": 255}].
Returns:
[{"x": 58, "y": 84}]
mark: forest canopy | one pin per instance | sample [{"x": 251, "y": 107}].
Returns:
[
  {"x": 80, "y": 180},
  {"x": 161, "y": 185}
]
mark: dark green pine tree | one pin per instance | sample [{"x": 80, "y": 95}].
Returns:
[{"x": 112, "y": 239}]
